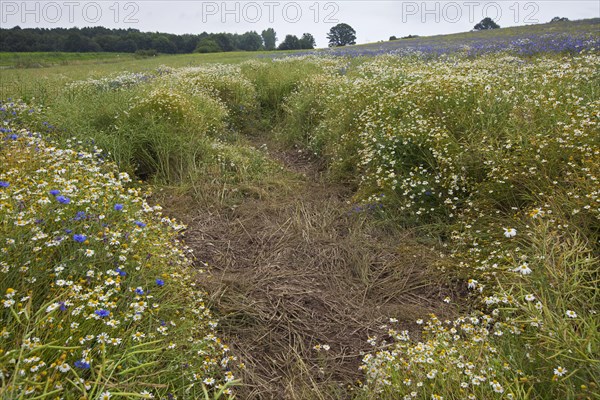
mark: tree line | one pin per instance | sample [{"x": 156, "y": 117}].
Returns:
[{"x": 100, "y": 39}]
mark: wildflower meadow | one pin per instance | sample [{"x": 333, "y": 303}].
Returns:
[{"x": 488, "y": 154}]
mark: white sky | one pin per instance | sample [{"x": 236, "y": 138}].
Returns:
[{"x": 372, "y": 20}]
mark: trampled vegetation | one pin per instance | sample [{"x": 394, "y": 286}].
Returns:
[{"x": 491, "y": 160}]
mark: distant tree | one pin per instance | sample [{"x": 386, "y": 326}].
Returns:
[
  {"x": 393, "y": 38},
  {"x": 224, "y": 40},
  {"x": 559, "y": 19},
  {"x": 126, "y": 46},
  {"x": 250, "y": 41},
  {"x": 291, "y": 42},
  {"x": 162, "y": 44},
  {"x": 142, "y": 40},
  {"x": 341, "y": 35},
  {"x": 75, "y": 42},
  {"x": 107, "y": 42},
  {"x": 189, "y": 43},
  {"x": 208, "y": 45},
  {"x": 307, "y": 41},
  {"x": 486, "y": 23},
  {"x": 269, "y": 38},
  {"x": 131, "y": 40}
]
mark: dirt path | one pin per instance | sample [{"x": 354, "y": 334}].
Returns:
[{"x": 300, "y": 269}]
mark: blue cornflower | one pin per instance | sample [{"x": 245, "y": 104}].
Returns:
[
  {"x": 140, "y": 224},
  {"x": 13, "y": 136},
  {"x": 121, "y": 272},
  {"x": 79, "y": 238},
  {"x": 63, "y": 307},
  {"x": 63, "y": 199},
  {"x": 118, "y": 207},
  {"x": 79, "y": 216},
  {"x": 160, "y": 282},
  {"x": 68, "y": 231},
  {"x": 139, "y": 291},
  {"x": 81, "y": 364},
  {"x": 4, "y": 184},
  {"x": 102, "y": 313},
  {"x": 54, "y": 192}
]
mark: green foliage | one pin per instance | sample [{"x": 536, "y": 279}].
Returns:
[
  {"x": 97, "y": 39},
  {"x": 207, "y": 45},
  {"x": 291, "y": 42},
  {"x": 169, "y": 126},
  {"x": 225, "y": 41},
  {"x": 225, "y": 83},
  {"x": 341, "y": 35},
  {"x": 486, "y": 23},
  {"x": 74, "y": 42},
  {"x": 307, "y": 41},
  {"x": 146, "y": 53},
  {"x": 277, "y": 79},
  {"x": 315, "y": 118},
  {"x": 269, "y": 38},
  {"x": 250, "y": 41}
]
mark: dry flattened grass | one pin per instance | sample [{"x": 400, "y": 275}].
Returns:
[{"x": 291, "y": 271}]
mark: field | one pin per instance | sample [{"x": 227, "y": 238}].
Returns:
[
  {"x": 40, "y": 60},
  {"x": 418, "y": 219}
]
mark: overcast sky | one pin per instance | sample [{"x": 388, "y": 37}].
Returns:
[{"x": 372, "y": 20}]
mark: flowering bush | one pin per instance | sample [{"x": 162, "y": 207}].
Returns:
[
  {"x": 276, "y": 79},
  {"x": 119, "y": 82},
  {"x": 98, "y": 294},
  {"x": 223, "y": 82},
  {"x": 200, "y": 114}
]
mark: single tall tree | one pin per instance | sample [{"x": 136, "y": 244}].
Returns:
[
  {"x": 341, "y": 35},
  {"x": 486, "y": 23},
  {"x": 269, "y": 38}
]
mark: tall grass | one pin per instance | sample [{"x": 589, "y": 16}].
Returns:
[{"x": 177, "y": 128}]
